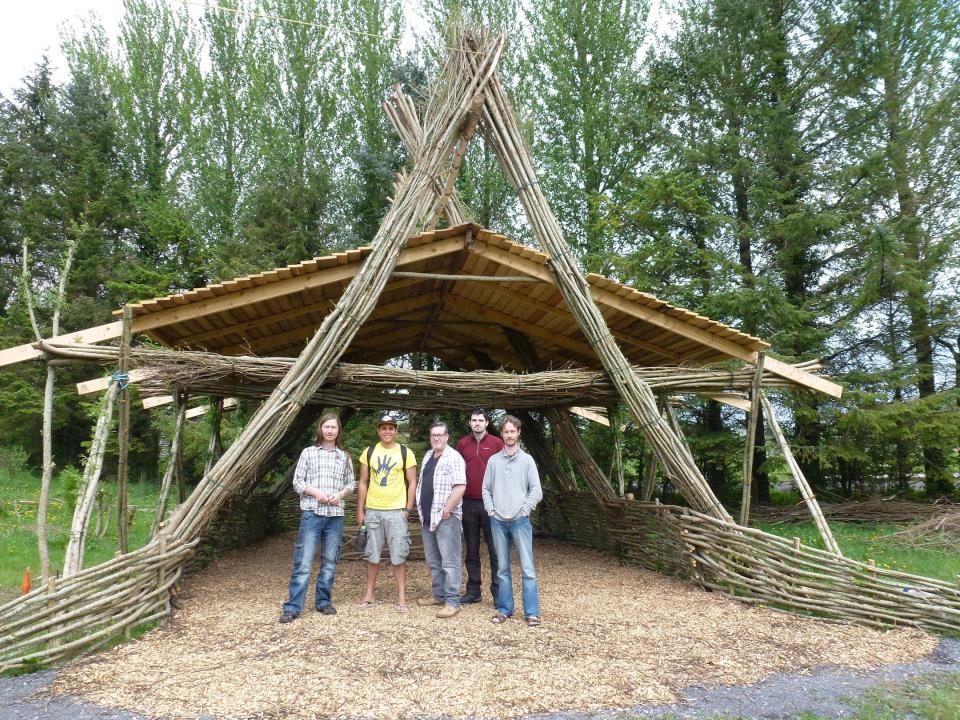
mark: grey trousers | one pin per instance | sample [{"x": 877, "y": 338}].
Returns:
[{"x": 443, "y": 550}]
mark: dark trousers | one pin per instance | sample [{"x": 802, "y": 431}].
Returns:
[{"x": 475, "y": 521}]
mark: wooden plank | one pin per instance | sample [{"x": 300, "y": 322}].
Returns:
[
  {"x": 562, "y": 312},
  {"x": 281, "y": 339},
  {"x": 741, "y": 403},
  {"x": 581, "y": 348},
  {"x": 228, "y": 404},
  {"x": 123, "y": 435},
  {"x": 613, "y": 300},
  {"x": 591, "y": 415},
  {"x": 666, "y": 322},
  {"x": 284, "y": 287},
  {"x": 99, "y": 384},
  {"x": 99, "y": 333},
  {"x": 152, "y": 402},
  {"x": 801, "y": 377}
]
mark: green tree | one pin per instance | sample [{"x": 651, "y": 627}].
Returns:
[
  {"x": 912, "y": 167},
  {"x": 584, "y": 61},
  {"x": 371, "y": 64},
  {"x": 228, "y": 126}
]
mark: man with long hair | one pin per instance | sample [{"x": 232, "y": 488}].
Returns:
[{"x": 323, "y": 478}]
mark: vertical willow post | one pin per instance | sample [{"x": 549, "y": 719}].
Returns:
[
  {"x": 649, "y": 477},
  {"x": 123, "y": 432},
  {"x": 751, "y": 442},
  {"x": 616, "y": 466}
]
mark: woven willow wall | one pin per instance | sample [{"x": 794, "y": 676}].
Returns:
[
  {"x": 93, "y": 608},
  {"x": 100, "y": 604},
  {"x": 752, "y": 565}
]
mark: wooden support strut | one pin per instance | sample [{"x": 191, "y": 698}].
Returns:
[
  {"x": 173, "y": 464},
  {"x": 616, "y": 463},
  {"x": 501, "y": 131},
  {"x": 89, "y": 485},
  {"x": 798, "y": 476}
]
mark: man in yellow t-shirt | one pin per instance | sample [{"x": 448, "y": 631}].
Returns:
[{"x": 386, "y": 493}]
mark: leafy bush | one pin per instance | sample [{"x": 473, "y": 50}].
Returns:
[
  {"x": 70, "y": 478},
  {"x": 13, "y": 459}
]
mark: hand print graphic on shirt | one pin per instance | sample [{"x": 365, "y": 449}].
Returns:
[{"x": 384, "y": 467}]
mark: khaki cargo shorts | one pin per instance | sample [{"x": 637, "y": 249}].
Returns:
[{"x": 387, "y": 529}]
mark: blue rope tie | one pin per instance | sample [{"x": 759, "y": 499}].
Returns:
[{"x": 121, "y": 378}]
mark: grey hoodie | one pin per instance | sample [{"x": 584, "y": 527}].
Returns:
[{"x": 511, "y": 485}]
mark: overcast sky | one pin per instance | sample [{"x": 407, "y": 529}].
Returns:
[{"x": 31, "y": 28}]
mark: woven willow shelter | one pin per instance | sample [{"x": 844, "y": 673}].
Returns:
[{"x": 311, "y": 334}]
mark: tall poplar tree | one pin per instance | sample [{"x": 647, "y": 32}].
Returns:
[{"x": 584, "y": 61}]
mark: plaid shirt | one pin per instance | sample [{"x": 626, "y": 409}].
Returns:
[
  {"x": 450, "y": 470},
  {"x": 330, "y": 471}
]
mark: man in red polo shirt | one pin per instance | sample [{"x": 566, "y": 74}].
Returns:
[{"x": 476, "y": 448}]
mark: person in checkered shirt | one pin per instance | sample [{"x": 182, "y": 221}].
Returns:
[
  {"x": 439, "y": 502},
  {"x": 323, "y": 478}
]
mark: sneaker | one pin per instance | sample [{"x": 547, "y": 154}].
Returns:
[
  {"x": 448, "y": 611},
  {"x": 287, "y": 616},
  {"x": 468, "y": 599},
  {"x": 327, "y": 610},
  {"x": 428, "y": 601}
]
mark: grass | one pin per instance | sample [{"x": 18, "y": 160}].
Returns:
[
  {"x": 19, "y": 492},
  {"x": 869, "y": 542},
  {"x": 925, "y": 697}
]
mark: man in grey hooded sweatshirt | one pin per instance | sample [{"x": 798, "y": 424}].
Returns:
[{"x": 511, "y": 490}]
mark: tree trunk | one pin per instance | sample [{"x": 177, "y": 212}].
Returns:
[
  {"x": 914, "y": 280},
  {"x": 89, "y": 485},
  {"x": 173, "y": 466},
  {"x": 46, "y": 475}
]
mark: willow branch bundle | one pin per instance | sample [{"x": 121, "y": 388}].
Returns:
[
  {"x": 862, "y": 511},
  {"x": 204, "y": 373},
  {"x": 414, "y": 202},
  {"x": 940, "y": 533},
  {"x": 499, "y": 128}
]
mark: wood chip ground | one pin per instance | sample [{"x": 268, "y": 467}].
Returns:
[{"x": 612, "y": 636}]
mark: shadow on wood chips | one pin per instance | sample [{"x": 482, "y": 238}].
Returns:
[{"x": 612, "y": 636}]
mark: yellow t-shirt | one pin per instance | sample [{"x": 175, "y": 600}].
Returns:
[{"x": 387, "y": 487}]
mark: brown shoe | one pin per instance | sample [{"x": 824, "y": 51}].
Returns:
[
  {"x": 428, "y": 601},
  {"x": 448, "y": 611}
]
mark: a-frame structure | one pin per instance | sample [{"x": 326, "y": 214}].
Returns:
[{"x": 439, "y": 273}]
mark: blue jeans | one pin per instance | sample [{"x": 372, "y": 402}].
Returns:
[
  {"x": 518, "y": 533},
  {"x": 314, "y": 529},
  {"x": 443, "y": 549}
]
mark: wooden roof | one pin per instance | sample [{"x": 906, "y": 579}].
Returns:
[{"x": 276, "y": 312}]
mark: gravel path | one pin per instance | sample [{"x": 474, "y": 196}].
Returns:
[{"x": 823, "y": 692}]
